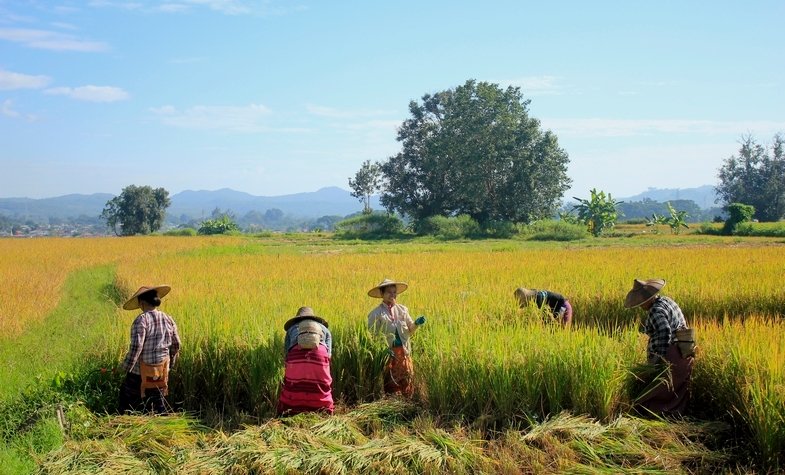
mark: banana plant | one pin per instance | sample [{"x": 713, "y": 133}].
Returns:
[
  {"x": 677, "y": 219},
  {"x": 655, "y": 221},
  {"x": 598, "y": 212}
]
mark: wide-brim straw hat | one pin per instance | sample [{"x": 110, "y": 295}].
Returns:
[
  {"x": 523, "y": 292},
  {"x": 303, "y": 313},
  {"x": 377, "y": 291},
  {"x": 643, "y": 291},
  {"x": 133, "y": 302}
]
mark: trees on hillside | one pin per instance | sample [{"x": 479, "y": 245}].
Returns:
[
  {"x": 474, "y": 150},
  {"x": 756, "y": 177},
  {"x": 137, "y": 210},
  {"x": 366, "y": 182}
]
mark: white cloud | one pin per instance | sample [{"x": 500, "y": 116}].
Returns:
[
  {"x": 243, "y": 7},
  {"x": 227, "y": 7},
  {"x": 536, "y": 85},
  {"x": 50, "y": 40},
  {"x": 323, "y": 111},
  {"x": 230, "y": 7},
  {"x": 7, "y": 109},
  {"x": 91, "y": 93},
  {"x": 10, "y": 80},
  {"x": 114, "y": 4},
  {"x": 191, "y": 60},
  {"x": 597, "y": 127},
  {"x": 64, "y": 26},
  {"x": 172, "y": 7},
  {"x": 242, "y": 119}
]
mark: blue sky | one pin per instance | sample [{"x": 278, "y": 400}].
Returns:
[{"x": 276, "y": 97}]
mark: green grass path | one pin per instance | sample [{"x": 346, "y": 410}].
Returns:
[{"x": 86, "y": 312}]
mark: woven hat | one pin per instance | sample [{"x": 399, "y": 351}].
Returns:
[
  {"x": 133, "y": 302},
  {"x": 642, "y": 291},
  {"x": 523, "y": 294},
  {"x": 309, "y": 334},
  {"x": 303, "y": 313},
  {"x": 377, "y": 291}
]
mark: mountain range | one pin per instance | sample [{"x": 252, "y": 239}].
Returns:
[
  {"x": 329, "y": 201},
  {"x": 703, "y": 196}
]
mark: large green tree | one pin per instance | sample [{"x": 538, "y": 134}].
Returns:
[
  {"x": 756, "y": 177},
  {"x": 137, "y": 210},
  {"x": 474, "y": 150}
]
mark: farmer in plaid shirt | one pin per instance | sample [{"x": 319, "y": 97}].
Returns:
[
  {"x": 154, "y": 340},
  {"x": 663, "y": 318}
]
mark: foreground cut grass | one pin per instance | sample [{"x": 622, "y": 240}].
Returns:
[{"x": 388, "y": 436}]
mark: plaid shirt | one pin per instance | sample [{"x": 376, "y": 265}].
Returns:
[
  {"x": 663, "y": 320},
  {"x": 153, "y": 339}
]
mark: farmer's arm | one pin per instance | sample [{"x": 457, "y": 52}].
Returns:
[{"x": 138, "y": 332}]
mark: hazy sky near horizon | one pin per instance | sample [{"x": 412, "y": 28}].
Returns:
[{"x": 276, "y": 97}]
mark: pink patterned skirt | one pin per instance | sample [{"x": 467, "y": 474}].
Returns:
[{"x": 307, "y": 384}]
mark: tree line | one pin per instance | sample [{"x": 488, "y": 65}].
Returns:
[{"x": 475, "y": 151}]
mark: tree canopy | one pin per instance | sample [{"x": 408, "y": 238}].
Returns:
[
  {"x": 366, "y": 182},
  {"x": 137, "y": 210},
  {"x": 756, "y": 177},
  {"x": 474, "y": 150}
]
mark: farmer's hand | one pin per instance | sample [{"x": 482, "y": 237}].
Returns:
[{"x": 420, "y": 320}]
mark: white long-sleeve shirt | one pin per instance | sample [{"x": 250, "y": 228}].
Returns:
[{"x": 386, "y": 320}]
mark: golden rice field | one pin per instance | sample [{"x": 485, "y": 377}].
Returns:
[
  {"x": 479, "y": 358},
  {"x": 32, "y": 271}
]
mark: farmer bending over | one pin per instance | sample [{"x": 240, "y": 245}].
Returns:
[
  {"x": 558, "y": 303},
  {"x": 307, "y": 384},
  {"x": 664, "y": 320}
]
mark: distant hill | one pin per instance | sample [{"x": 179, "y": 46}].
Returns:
[
  {"x": 196, "y": 204},
  {"x": 703, "y": 196},
  {"x": 324, "y": 202},
  {"x": 67, "y": 206},
  {"x": 329, "y": 201}
]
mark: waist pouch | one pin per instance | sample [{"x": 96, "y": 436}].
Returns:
[{"x": 685, "y": 341}]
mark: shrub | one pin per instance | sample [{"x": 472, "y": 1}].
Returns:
[
  {"x": 452, "y": 227},
  {"x": 500, "y": 229},
  {"x": 222, "y": 225},
  {"x": 181, "y": 232},
  {"x": 554, "y": 231},
  {"x": 370, "y": 226},
  {"x": 738, "y": 213},
  {"x": 710, "y": 228}
]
